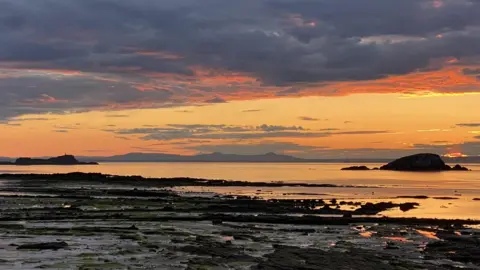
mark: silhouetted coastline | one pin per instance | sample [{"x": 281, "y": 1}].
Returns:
[
  {"x": 60, "y": 160},
  {"x": 424, "y": 162}
]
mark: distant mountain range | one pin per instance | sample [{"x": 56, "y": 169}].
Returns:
[
  {"x": 220, "y": 157},
  {"x": 214, "y": 157}
]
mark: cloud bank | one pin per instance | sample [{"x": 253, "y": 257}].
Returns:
[{"x": 69, "y": 55}]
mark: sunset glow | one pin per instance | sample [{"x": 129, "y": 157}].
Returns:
[{"x": 292, "y": 77}]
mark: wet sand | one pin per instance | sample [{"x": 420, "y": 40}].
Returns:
[{"x": 91, "y": 221}]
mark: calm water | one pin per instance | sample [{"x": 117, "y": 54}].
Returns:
[{"x": 461, "y": 185}]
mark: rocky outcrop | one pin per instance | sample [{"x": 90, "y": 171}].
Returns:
[
  {"x": 419, "y": 162},
  {"x": 61, "y": 160},
  {"x": 44, "y": 246},
  {"x": 356, "y": 168},
  {"x": 459, "y": 168}
]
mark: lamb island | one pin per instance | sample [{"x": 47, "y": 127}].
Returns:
[
  {"x": 60, "y": 160},
  {"x": 424, "y": 162}
]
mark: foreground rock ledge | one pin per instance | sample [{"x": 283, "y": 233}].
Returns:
[{"x": 424, "y": 162}]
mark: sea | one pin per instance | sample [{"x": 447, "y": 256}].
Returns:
[{"x": 450, "y": 194}]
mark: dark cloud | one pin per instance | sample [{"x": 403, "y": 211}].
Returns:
[
  {"x": 216, "y": 100},
  {"x": 11, "y": 124},
  {"x": 123, "y": 138},
  {"x": 117, "y": 115},
  {"x": 61, "y": 131},
  {"x": 362, "y": 132},
  {"x": 477, "y": 137},
  {"x": 143, "y": 51},
  {"x": 270, "y": 128},
  {"x": 471, "y": 71},
  {"x": 232, "y": 132},
  {"x": 65, "y": 127},
  {"x": 306, "y": 118},
  {"x": 469, "y": 125},
  {"x": 32, "y": 119},
  {"x": 251, "y": 110}
]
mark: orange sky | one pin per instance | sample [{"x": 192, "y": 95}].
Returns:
[
  {"x": 427, "y": 113},
  {"x": 95, "y": 77}
]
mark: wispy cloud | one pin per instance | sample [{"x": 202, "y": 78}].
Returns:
[
  {"x": 468, "y": 125},
  {"x": 233, "y": 132},
  {"x": 117, "y": 115},
  {"x": 306, "y": 118}
]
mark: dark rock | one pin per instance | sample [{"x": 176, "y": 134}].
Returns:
[
  {"x": 61, "y": 160},
  {"x": 217, "y": 221},
  {"x": 457, "y": 248},
  {"x": 418, "y": 162},
  {"x": 356, "y": 168},
  {"x": 413, "y": 197},
  {"x": 391, "y": 245},
  {"x": 445, "y": 198},
  {"x": 375, "y": 208},
  {"x": 459, "y": 168},
  {"x": 296, "y": 258},
  {"x": 44, "y": 246},
  {"x": 407, "y": 206}
]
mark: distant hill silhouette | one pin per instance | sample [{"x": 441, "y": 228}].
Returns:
[
  {"x": 213, "y": 157},
  {"x": 60, "y": 160},
  {"x": 268, "y": 157}
]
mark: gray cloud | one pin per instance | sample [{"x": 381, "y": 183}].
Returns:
[
  {"x": 469, "y": 125},
  {"x": 61, "y": 131},
  {"x": 121, "y": 46},
  {"x": 251, "y": 110},
  {"x": 362, "y": 132},
  {"x": 230, "y": 132},
  {"x": 117, "y": 115},
  {"x": 270, "y": 128},
  {"x": 306, "y": 118},
  {"x": 216, "y": 100},
  {"x": 471, "y": 71}
]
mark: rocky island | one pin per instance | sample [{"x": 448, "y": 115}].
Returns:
[
  {"x": 60, "y": 160},
  {"x": 424, "y": 162}
]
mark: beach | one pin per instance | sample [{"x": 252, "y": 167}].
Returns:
[{"x": 98, "y": 221}]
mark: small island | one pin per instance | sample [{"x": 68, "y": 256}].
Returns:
[
  {"x": 60, "y": 160},
  {"x": 424, "y": 162}
]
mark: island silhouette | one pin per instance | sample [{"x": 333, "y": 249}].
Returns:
[
  {"x": 60, "y": 160},
  {"x": 423, "y": 162}
]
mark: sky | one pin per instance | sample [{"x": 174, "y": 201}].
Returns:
[{"x": 308, "y": 78}]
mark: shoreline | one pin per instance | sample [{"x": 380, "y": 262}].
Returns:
[
  {"x": 79, "y": 177},
  {"x": 98, "y": 221}
]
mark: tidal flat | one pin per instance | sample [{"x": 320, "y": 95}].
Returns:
[{"x": 95, "y": 221}]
